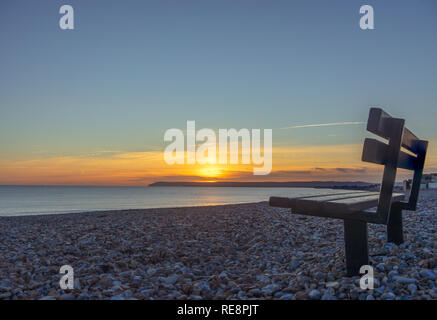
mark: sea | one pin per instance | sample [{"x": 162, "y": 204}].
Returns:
[{"x": 37, "y": 200}]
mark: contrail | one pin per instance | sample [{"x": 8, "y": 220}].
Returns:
[{"x": 332, "y": 124}]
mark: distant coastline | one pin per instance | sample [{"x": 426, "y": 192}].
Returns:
[{"x": 358, "y": 185}]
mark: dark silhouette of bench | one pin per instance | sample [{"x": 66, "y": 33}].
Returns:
[{"x": 353, "y": 206}]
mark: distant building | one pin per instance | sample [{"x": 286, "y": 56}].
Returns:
[{"x": 429, "y": 181}]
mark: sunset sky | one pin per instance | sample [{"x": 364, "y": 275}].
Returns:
[{"x": 90, "y": 106}]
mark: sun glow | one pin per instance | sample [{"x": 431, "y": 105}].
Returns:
[
  {"x": 296, "y": 163},
  {"x": 210, "y": 172}
]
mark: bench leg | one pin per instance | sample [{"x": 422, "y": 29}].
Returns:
[
  {"x": 355, "y": 240},
  {"x": 395, "y": 232}
]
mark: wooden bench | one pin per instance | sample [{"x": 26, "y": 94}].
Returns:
[{"x": 353, "y": 206}]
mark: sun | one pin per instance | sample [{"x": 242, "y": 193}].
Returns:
[{"x": 210, "y": 172}]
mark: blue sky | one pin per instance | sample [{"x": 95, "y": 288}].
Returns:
[{"x": 132, "y": 69}]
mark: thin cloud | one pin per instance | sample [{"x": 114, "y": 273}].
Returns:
[{"x": 332, "y": 124}]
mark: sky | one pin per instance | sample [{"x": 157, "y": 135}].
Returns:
[{"x": 90, "y": 106}]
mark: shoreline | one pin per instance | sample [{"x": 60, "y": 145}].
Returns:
[
  {"x": 240, "y": 251},
  {"x": 118, "y": 211}
]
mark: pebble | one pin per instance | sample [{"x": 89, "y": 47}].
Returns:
[
  {"x": 215, "y": 252},
  {"x": 333, "y": 284},
  {"x": 315, "y": 295},
  {"x": 388, "y": 296},
  {"x": 328, "y": 296},
  {"x": 67, "y": 296},
  {"x": 170, "y": 279},
  {"x": 287, "y": 296},
  {"x": 270, "y": 289},
  {"x": 47, "y": 298},
  {"x": 428, "y": 274},
  {"x": 380, "y": 266},
  {"x": 404, "y": 280},
  {"x": 151, "y": 271},
  {"x": 413, "y": 289},
  {"x": 5, "y": 295},
  {"x": 255, "y": 292},
  {"x": 105, "y": 282},
  {"x": 262, "y": 278}
]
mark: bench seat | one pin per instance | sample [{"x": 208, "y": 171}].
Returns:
[{"x": 339, "y": 204}]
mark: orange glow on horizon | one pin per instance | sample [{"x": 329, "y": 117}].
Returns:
[{"x": 298, "y": 163}]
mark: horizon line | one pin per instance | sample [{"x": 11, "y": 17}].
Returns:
[{"x": 204, "y": 182}]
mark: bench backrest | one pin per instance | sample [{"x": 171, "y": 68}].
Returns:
[{"x": 390, "y": 155}]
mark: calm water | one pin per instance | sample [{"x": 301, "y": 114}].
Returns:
[{"x": 23, "y": 200}]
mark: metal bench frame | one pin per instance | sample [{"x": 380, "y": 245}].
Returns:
[{"x": 389, "y": 209}]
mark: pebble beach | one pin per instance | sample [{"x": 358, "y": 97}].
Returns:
[{"x": 245, "y": 251}]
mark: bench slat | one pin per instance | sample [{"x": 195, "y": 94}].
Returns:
[
  {"x": 324, "y": 204},
  {"x": 287, "y": 202},
  {"x": 331, "y": 204},
  {"x": 332, "y": 197},
  {"x": 375, "y": 151},
  {"x": 352, "y": 192},
  {"x": 378, "y": 124},
  {"x": 410, "y": 141},
  {"x": 315, "y": 202},
  {"x": 358, "y": 204},
  {"x": 334, "y": 204}
]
